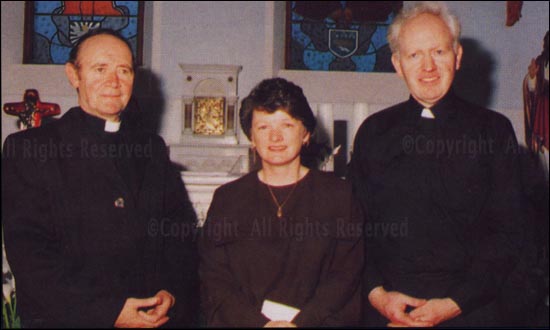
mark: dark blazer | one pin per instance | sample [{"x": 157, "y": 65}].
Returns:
[
  {"x": 451, "y": 188},
  {"x": 81, "y": 237}
]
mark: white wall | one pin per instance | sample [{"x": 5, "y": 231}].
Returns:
[
  {"x": 201, "y": 32},
  {"x": 49, "y": 80},
  {"x": 251, "y": 34},
  {"x": 507, "y": 51},
  {"x": 510, "y": 47},
  {"x": 494, "y": 64},
  {"x": 175, "y": 32}
]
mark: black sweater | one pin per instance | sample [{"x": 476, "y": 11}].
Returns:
[{"x": 310, "y": 259}]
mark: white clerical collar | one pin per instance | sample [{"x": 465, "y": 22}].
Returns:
[
  {"x": 427, "y": 113},
  {"x": 112, "y": 126}
]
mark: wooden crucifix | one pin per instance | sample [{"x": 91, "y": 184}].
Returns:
[{"x": 31, "y": 110}]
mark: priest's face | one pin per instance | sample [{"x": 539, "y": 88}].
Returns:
[
  {"x": 103, "y": 76},
  {"x": 426, "y": 59}
]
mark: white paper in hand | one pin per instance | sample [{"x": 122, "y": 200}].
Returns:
[{"x": 275, "y": 311}]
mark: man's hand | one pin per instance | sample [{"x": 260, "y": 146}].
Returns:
[
  {"x": 157, "y": 312},
  {"x": 436, "y": 311},
  {"x": 392, "y": 305},
  {"x": 132, "y": 317}
]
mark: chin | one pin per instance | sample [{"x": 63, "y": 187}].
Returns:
[
  {"x": 432, "y": 99},
  {"x": 278, "y": 162},
  {"x": 112, "y": 109}
]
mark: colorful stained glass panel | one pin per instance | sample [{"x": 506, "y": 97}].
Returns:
[
  {"x": 339, "y": 35},
  {"x": 53, "y": 27}
]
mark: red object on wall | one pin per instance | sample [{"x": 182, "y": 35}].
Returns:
[{"x": 31, "y": 110}]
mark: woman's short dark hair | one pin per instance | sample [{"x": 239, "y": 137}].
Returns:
[
  {"x": 275, "y": 94},
  {"x": 73, "y": 55}
]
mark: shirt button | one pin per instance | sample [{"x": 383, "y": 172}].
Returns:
[{"x": 119, "y": 202}]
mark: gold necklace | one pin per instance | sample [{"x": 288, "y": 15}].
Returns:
[
  {"x": 275, "y": 200},
  {"x": 280, "y": 206}
]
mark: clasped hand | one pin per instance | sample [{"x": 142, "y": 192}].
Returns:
[
  {"x": 146, "y": 312},
  {"x": 279, "y": 324},
  {"x": 426, "y": 313}
]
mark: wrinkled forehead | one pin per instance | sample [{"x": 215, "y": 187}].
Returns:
[
  {"x": 104, "y": 46},
  {"x": 424, "y": 29}
]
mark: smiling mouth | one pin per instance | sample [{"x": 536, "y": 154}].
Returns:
[
  {"x": 429, "y": 80},
  {"x": 277, "y": 148}
]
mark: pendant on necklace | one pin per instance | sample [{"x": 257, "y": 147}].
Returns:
[{"x": 279, "y": 212}]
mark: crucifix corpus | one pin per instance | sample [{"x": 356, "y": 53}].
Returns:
[{"x": 31, "y": 110}]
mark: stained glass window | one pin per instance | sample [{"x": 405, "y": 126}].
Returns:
[
  {"x": 339, "y": 35},
  {"x": 53, "y": 27}
]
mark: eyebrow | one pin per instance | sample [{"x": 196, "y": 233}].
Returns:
[
  {"x": 103, "y": 64},
  {"x": 99, "y": 64}
]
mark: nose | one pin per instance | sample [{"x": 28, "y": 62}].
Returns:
[
  {"x": 428, "y": 63},
  {"x": 113, "y": 79},
  {"x": 275, "y": 135}
]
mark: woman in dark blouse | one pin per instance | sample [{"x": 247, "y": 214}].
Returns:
[{"x": 285, "y": 235}]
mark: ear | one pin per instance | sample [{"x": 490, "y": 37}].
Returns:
[
  {"x": 459, "y": 52},
  {"x": 252, "y": 142},
  {"x": 397, "y": 64},
  {"x": 72, "y": 73},
  {"x": 306, "y": 138}
]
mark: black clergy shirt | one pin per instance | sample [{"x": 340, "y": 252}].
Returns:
[{"x": 441, "y": 198}]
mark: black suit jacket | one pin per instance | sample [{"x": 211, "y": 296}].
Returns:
[
  {"x": 81, "y": 237},
  {"x": 442, "y": 199}
]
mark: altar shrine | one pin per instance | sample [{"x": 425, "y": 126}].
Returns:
[{"x": 209, "y": 151}]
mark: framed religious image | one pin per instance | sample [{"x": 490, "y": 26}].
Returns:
[
  {"x": 209, "y": 114},
  {"x": 53, "y": 27},
  {"x": 339, "y": 35}
]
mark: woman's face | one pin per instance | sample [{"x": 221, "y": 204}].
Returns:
[{"x": 278, "y": 137}]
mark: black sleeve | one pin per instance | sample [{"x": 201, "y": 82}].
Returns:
[
  {"x": 179, "y": 266},
  {"x": 357, "y": 174},
  {"x": 224, "y": 303},
  {"x": 496, "y": 244},
  {"x": 49, "y": 290},
  {"x": 341, "y": 279}
]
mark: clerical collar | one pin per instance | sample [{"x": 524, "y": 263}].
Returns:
[
  {"x": 439, "y": 111},
  {"x": 427, "y": 113},
  {"x": 112, "y": 126},
  {"x": 99, "y": 124}
]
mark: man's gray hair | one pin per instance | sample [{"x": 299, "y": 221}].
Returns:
[{"x": 434, "y": 8}]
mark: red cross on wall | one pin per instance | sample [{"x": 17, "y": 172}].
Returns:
[{"x": 31, "y": 110}]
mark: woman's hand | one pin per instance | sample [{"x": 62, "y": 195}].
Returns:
[{"x": 279, "y": 324}]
